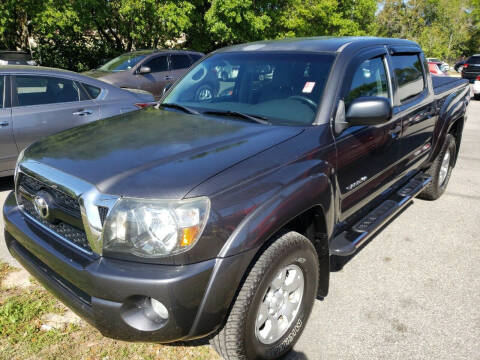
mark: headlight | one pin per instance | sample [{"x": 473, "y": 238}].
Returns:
[
  {"x": 19, "y": 159},
  {"x": 155, "y": 228}
]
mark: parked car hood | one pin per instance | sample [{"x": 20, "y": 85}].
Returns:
[
  {"x": 155, "y": 153},
  {"x": 106, "y": 76}
]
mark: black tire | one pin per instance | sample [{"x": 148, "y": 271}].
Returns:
[
  {"x": 436, "y": 188},
  {"x": 237, "y": 339}
]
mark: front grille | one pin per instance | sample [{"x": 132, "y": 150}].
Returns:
[
  {"x": 67, "y": 204},
  {"x": 33, "y": 186}
]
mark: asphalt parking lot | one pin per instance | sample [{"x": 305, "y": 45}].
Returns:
[{"x": 411, "y": 293}]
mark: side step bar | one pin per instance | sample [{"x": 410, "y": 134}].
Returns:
[{"x": 347, "y": 242}]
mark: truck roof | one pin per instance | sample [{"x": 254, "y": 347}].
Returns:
[{"x": 317, "y": 44}]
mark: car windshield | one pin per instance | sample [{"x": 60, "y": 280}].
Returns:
[
  {"x": 123, "y": 62},
  {"x": 281, "y": 88}
]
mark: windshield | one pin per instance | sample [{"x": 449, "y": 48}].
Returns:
[
  {"x": 283, "y": 88},
  {"x": 123, "y": 62}
]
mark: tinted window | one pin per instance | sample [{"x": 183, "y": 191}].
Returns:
[
  {"x": 474, "y": 60},
  {"x": 2, "y": 91},
  {"x": 370, "y": 79},
  {"x": 93, "y": 91},
  {"x": 409, "y": 74},
  {"x": 37, "y": 90},
  {"x": 158, "y": 64},
  {"x": 180, "y": 61},
  {"x": 284, "y": 88},
  {"x": 195, "y": 57}
]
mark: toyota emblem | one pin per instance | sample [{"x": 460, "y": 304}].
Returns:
[{"x": 41, "y": 207}]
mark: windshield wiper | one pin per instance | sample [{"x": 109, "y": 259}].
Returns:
[
  {"x": 180, "y": 107},
  {"x": 252, "y": 118}
]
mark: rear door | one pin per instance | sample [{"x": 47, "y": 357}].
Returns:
[
  {"x": 155, "y": 81},
  {"x": 44, "y": 105},
  {"x": 414, "y": 105},
  {"x": 8, "y": 148}
]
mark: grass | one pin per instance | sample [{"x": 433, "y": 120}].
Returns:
[{"x": 22, "y": 336}]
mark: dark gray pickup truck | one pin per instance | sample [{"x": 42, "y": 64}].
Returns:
[{"x": 220, "y": 215}]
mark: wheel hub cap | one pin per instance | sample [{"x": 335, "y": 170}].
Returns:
[
  {"x": 280, "y": 304},
  {"x": 444, "y": 167}
]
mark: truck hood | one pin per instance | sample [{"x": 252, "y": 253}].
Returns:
[{"x": 155, "y": 153}]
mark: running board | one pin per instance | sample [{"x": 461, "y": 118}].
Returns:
[{"x": 347, "y": 242}]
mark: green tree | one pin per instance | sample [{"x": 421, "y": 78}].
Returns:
[
  {"x": 442, "y": 27},
  {"x": 235, "y": 21}
]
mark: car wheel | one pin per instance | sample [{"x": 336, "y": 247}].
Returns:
[
  {"x": 440, "y": 170},
  {"x": 274, "y": 302},
  {"x": 204, "y": 93}
]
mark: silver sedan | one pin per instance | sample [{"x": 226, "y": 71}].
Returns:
[{"x": 36, "y": 101}]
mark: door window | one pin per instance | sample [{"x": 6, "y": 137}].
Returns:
[
  {"x": 180, "y": 61},
  {"x": 2, "y": 91},
  {"x": 38, "y": 90},
  {"x": 370, "y": 79},
  {"x": 409, "y": 74},
  {"x": 158, "y": 64},
  {"x": 93, "y": 91}
]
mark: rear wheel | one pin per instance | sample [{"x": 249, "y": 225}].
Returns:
[
  {"x": 274, "y": 302},
  {"x": 440, "y": 170}
]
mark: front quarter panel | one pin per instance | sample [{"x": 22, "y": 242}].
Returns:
[{"x": 256, "y": 198}]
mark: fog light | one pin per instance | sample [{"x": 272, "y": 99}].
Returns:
[{"x": 159, "y": 308}]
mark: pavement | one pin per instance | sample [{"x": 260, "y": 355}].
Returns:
[{"x": 414, "y": 291}]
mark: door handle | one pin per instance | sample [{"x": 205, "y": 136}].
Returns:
[
  {"x": 4, "y": 123},
  {"x": 83, "y": 112},
  {"x": 168, "y": 77}
]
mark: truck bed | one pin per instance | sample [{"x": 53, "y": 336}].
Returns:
[{"x": 442, "y": 84}]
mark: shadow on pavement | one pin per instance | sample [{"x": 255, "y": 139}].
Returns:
[{"x": 6, "y": 183}]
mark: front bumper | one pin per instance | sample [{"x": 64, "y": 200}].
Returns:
[{"x": 112, "y": 294}]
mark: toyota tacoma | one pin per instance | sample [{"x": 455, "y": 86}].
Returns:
[{"x": 219, "y": 216}]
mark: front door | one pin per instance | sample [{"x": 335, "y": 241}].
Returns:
[
  {"x": 367, "y": 155},
  {"x": 44, "y": 105},
  {"x": 155, "y": 81},
  {"x": 8, "y": 148}
]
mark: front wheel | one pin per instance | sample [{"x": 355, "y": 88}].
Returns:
[
  {"x": 440, "y": 170},
  {"x": 273, "y": 305}
]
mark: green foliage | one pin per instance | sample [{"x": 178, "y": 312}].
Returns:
[
  {"x": 236, "y": 21},
  {"x": 83, "y": 34},
  {"x": 444, "y": 28}
]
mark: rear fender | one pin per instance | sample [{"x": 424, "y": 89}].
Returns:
[{"x": 452, "y": 109}]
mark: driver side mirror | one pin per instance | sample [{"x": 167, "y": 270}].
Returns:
[
  {"x": 369, "y": 111},
  {"x": 144, "y": 70}
]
